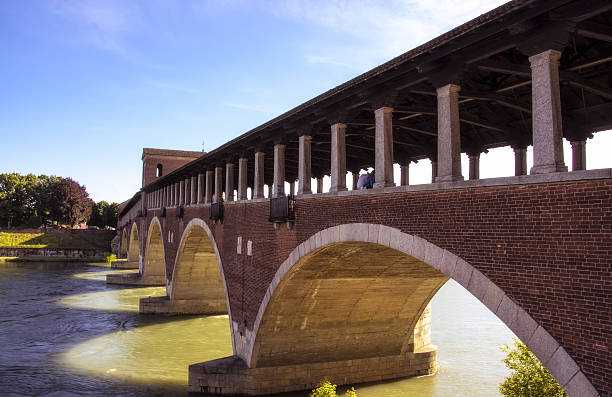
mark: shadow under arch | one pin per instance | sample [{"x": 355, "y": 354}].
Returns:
[
  {"x": 198, "y": 283},
  {"x": 336, "y": 255},
  {"x": 124, "y": 243},
  {"x": 153, "y": 269},
  {"x": 134, "y": 246}
]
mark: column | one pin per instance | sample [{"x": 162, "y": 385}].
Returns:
[
  {"x": 383, "y": 167},
  {"x": 405, "y": 174},
  {"x": 578, "y": 155},
  {"x": 320, "y": 185},
  {"x": 355, "y": 179},
  {"x": 520, "y": 161},
  {"x": 229, "y": 182},
  {"x": 304, "y": 165},
  {"x": 474, "y": 166},
  {"x": 449, "y": 139},
  {"x": 434, "y": 170},
  {"x": 279, "y": 170},
  {"x": 194, "y": 190},
  {"x": 209, "y": 187},
  {"x": 546, "y": 113},
  {"x": 338, "y": 157},
  {"x": 201, "y": 182},
  {"x": 181, "y": 193},
  {"x": 242, "y": 178},
  {"x": 172, "y": 189},
  {"x": 177, "y": 194},
  {"x": 292, "y": 188},
  {"x": 218, "y": 184},
  {"x": 258, "y": 179},
  {"x": 187, "y": 195}
]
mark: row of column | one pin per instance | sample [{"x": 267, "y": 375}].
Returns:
[{"x": 547, "y": 149}]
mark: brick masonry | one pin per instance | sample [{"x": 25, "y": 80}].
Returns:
[{"x": 547, "y": 246}]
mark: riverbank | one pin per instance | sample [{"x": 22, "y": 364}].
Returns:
[{"x": 55, "y": 245}]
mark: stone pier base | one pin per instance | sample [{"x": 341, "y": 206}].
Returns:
[
  {"x": 136, "y": 279},
  {"x": 171, "y": 307},
  {"x": 124, "y": 265},
  {"x": 231, "y": 376}
]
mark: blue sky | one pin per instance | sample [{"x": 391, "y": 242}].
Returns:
[{"x": 87, "y": 84}]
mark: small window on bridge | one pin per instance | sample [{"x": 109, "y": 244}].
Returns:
[{"x": 160, "y": 170}]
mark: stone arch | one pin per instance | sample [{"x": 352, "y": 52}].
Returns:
[
  {"x": 154, "y": 263},
  {"x": 134, "y": 245},
  {"x": 349, "y": 239},
  {"x": 124, "y": 243},
  {"x": 198, "y": 282}
]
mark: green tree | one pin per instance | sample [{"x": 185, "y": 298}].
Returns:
[
  {"x": 326, "y": 389},
  {"x": 69, "y": 202},
  {"x": 529, "y": 377},
  {"x": 17, "y": 200},
  {"x": 111, "y": 214}
]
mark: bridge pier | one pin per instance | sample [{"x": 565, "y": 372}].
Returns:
[
  {"x": 136, "y": 279},
  {"x": 174, "y": 307},
  {"x": 231, "y": 376}
]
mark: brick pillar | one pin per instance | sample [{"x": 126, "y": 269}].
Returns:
[
  {"x": 405, "y": 175},
  {"x": 218, "y": 184},
  {"x": 304, "y": 165},
  {"x": 474, "y": 166},
  {"x": 449, "y": 139},
  {"x": 201, "y": 182},
  {"x": 187, "y": 195},
  {"x": 338, "y": 157},
  {"x": 520, "y": 161},
  {"x": 279, "y": 170},
  {"x": 242, "y": 178},
  {"x": 194, "y": 190},
  {"x": 209, "y": 186},
  {"x": 181, "y": 192},
  {"x": 355, "y": 179},
  {"x": 320, "y": 185},
  {"x": 258, "y": 179},
  {"x": 546, "y": 113},
  {"x": 578, "y": 155},
  {"x": 384, "y": 147},
  {"x": 229, "y": 182}
]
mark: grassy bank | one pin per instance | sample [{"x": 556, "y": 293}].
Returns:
[{"x": 74, "y": 239}]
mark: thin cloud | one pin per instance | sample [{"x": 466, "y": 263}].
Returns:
[{"x": 176, "y": 87}]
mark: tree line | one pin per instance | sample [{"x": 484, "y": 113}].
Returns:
[{"x": 32, "y": 201}]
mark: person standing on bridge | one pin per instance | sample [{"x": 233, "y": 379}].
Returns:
[{"x": 362, "y": 182}]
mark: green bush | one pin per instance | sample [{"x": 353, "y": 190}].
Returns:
[
  {"x": 529, "y": 377},
  {"x": 326, "y": 389},
  {"x": 110, "y": 258}
]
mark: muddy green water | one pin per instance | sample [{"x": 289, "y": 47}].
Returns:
[{"x": 64, "y": 332}]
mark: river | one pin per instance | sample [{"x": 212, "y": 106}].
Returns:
[{"x": 64, "y": 332}]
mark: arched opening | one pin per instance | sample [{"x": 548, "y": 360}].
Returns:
[
  {"x": 160, "y": 170},
  {"x": 154, "y": 265},
  {"x": 198, "y": 285},
  {"x": 356, "y": 299},
  {"x": 124, "y": 243},
  {"x": 134, "y": 247}
]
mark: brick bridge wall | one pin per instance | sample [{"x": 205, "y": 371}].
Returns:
[{"x": 547, "y": 246}]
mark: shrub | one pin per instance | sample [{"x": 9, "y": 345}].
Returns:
[
  {"x": 529, "y": 377},
  {"x": 110, "y": 258},
  {"x": 326, "y": 389}
]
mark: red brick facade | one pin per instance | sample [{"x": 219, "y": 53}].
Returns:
[{"x": 547, "y": 246}]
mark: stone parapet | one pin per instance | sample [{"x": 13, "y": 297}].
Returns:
[{"x": 231, "y": 376}]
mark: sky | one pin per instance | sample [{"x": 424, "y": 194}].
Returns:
[{"x": 85, "y": 85}]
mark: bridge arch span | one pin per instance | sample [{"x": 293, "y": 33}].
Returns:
[
  {"x": 198, "y": 282},
  {"x": 134, "y": 245},
  {"x": 385, "y": 258},
  {"x": 153, "y": 267}
]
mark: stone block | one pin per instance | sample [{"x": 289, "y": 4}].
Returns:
[
  {"x": 448, "y": 263},
  {"x": 478, "y": 285},
  {"x": 579, "y": 386},
  {"x": 525, "y": 326},
  {"x": 373, "y": 231},
  {"x": 507, "y": 311},
  {"x": 543, "y": 345},
  {"x": 462, "y": 272},
  {"x": 384, "y": 235},
  {"x": 418, "y": 248},
  {"x": 493, "y": 297},
  {"x": 562, "y": 366}
]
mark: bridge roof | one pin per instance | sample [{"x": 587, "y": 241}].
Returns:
[
  {"x": 170, "y": 153},
  {"x": 487, "y": 56}
]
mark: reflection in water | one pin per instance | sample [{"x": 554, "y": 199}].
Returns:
[
  {"x": 159, "y": 352},
  {"x": 51, "y": 341},
  {"x": 125, "y": 300},
  {"x": 101, "y": 275}
]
